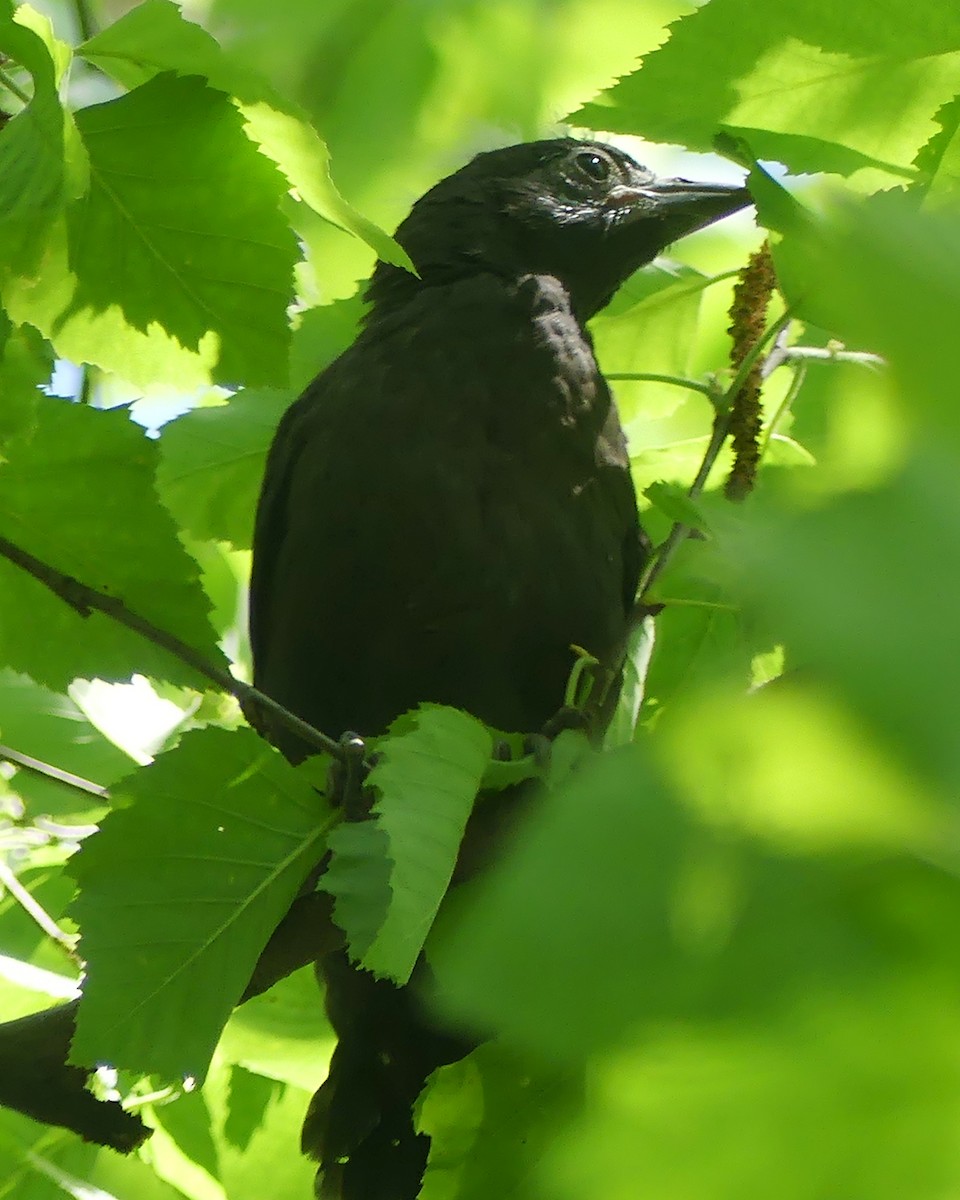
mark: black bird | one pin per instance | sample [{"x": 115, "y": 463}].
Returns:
[{"x": 446, "y": 510}]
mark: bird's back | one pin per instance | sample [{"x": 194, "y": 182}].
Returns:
[{"x": 445, "y": 511}]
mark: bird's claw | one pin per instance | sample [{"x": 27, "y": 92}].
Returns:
[{"x": 347, "y": 777}]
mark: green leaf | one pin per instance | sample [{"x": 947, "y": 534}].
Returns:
[
  {"x": 636, "y": 667},
  {"x": 427, "y": 781},
  {"x": 678, "y": 921},
  {"x": 211, "y": 463},
  {"x": 32, "y": 173},
  {"x": 863, "y": 592},
  {"x": 153, "y": 236},
  {"x": 179, "y": 893},
  {"x": 674, "y": 502},
  {"x": 212, "y": 458},
  {"x": 154, "y": 37},
  {"x": 390, "y": 874},
  {"x": 71, "y": 470},
  {"x": 795, "y": 84},
  {"x": 651, "y": 326},
  {"x": 593, "y": 868}
]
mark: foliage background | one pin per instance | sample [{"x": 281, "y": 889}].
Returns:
[{"x": 724, "y": 957}]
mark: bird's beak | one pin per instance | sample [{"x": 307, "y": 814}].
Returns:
[{"x": 684, "y": 206}]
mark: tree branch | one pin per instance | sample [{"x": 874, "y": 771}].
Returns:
[
  {"x": 832, "y": 352},
  {"x": 85, "y": 600}
]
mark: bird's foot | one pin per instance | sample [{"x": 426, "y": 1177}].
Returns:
[
  {"x": 347, "y": 777},
  {"x": 567, "y": 717}
]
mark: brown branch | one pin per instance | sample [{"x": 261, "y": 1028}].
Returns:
[{"x": 85, "y": 600}]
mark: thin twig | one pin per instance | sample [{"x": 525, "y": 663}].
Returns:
[
  {"x": 718, "y": 435},
  {"x": 13, "y": 87},
  {"x": 785, "y": 405},
  {"x": 37, "y": 912},
  {"x": 85, "y": 21},
  {"x": 785, "y": 354},
  {"x": 37, "y": 767},
  {"x": 693, "y": 385},
  {"x": 84, "y": 600}
]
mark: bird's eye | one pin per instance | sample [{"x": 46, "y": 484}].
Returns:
[{"x": 596, "y": 166}]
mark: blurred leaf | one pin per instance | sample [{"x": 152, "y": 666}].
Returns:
[
  {"x": 676, "y": 921},
  {"x": 492, "y": 1117},
  {"x": 69, "y": 471},
  {"x": 594, "y": 867},
  {"x": 650, "y": 326},
  {"x": 853, "y": 1093},
  {"x": 212, "y": 458},
  {"x": 179, "y": 893},
  {"x": 21, "y": 938},
  {"x": 938, "y": 162},
  {"x": 184, "y": 1147},
  {"x": 322, "y": 334},
  {"x": 745, "y": 759},
  {"x": 675, "y": 503},
  {"x": 862, "y": 591}
]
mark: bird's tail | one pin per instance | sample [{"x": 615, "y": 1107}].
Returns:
[{"x": 360, "y": 1122}]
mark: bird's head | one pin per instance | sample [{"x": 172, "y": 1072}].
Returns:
[{"x": 584, "y": 212}]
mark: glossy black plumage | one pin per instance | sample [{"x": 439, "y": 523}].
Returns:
[{"x": 445, "y": 511}]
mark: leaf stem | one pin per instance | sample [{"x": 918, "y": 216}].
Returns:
[
  {"x": 84, "y": 600},
  {"x": 13, "y": 87},
  {"x": 694, "y": 385},
  {"x": 785, "y": 405}
]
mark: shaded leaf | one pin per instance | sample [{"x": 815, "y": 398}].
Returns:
[
  {"x": 71, "y": 470},
  {"x": 31, "y": 155}
]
